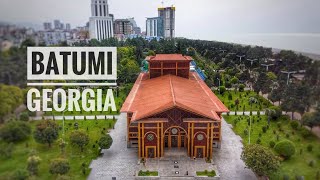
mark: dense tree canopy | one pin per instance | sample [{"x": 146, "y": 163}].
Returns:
[{"x": 260, "y": 159}]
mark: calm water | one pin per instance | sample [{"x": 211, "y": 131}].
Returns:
[{"x": 308, "y": 43}]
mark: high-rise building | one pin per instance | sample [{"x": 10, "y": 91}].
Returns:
[
  {"x": 126, "y": 26},
  {"x": 123, "y": 26},
  {"x": 68, "y": 27},
  {"x": 101, "y": 22},
  {"x": 47, "y": 26},
  {"x": 57, "y": 24},
  {"x": 168, "y": 16},
  {"x": 155, "y": 27}
]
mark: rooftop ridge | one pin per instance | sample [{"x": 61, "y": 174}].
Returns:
[{"x": 172, "y": 92}]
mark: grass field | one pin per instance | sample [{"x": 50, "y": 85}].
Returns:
[
  {"x": 298, "y": 164},
  {"x": 206, "y": 173},
  {"x": 21, "y": 152},
  {"x": 229, "y": 98}
]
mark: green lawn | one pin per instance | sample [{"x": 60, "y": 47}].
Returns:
[
  {"x": 73, "y": 154},
  {"x": 148, "y": 173},
  {"x": 118, "y": 101},
  {"x": 243, "y": 98},
  {"x": 206, "y": 173},
  {"x": 298, "y": 164}
]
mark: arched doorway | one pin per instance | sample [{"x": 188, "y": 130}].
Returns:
[{"x": 175, "y": 137}]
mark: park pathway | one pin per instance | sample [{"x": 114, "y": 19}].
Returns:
[
  {"x": 227, "y": 158},
  {"x": 118, "y": 161}
]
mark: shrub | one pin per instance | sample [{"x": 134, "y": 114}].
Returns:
[
  {"x": 245, "y": 132},
  {"x": 59, "y": 166},
  {"x": 309, "y": 148},
  {"x": 14, "y": 131},
  {"x": 241, "y": 87},
  {"x": 311, "y": 163},
  {"x": 260, "y": 159},
  {"x": 222, "y": 89},
  {"x": 285, "y": 148},
  {"x": 287, "y": 135},
  {"x": 230, "y": 96},
  {"x": 294, "y": 125},
  {"x": 105, "y": 142},
  {"x": 258, "y": 141},
  {"x": 264, "y": 129},
  {"x": 305, "y": 133},
  {"x": 279, "y": 125},
  {"x": 20, "y": 174},
  {"x": 24, "y": 116},
  {"x": 272, "y": 144},
  {"x": 6, "y": 150}
]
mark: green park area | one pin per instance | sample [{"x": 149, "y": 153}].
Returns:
[
  {"x": 305, "y": 154},
  {"x": 243, "y": 101},
  {"x": 25, "y": 155}
]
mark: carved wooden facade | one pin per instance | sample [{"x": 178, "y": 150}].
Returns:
[{"x": 171, "y": 107}]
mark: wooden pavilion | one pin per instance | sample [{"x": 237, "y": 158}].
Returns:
[{"x": 171, "y": 107}]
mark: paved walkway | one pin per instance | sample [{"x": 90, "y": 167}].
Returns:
[
  {"x": 228, "y": 159},
  {"x": 122, "y": 162},
  {"x": 118, "y": 161}
]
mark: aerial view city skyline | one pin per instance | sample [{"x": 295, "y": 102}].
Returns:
[
  {"x": 282, "y": 25},
  {"x": 151, "y": 89}
]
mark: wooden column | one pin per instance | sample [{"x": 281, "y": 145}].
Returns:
[
  {"x": 179, "y": 140},
  {"x": 192, "y": 140},
  {"x": 208, "y": 140},
  {"x": 142, "y": 138},
  {"x": 158, "y": 140},
  {"x": 161, "y": 68},
  {"x": 176, "y": 68},
  {"x": 211, "y": 140},
  {"x": 219, "y": 131},
  {"x": 189, "y": 139},
  {"x": 139, "y": 141},
  {"x": 162, "y": 140}
]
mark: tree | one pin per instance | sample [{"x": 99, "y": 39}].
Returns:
[
  {"x": 59, "y": 166},
  {"x": 79, "y": 138},
  {"x": 10, "y": 98},
  {"x": 252, "y": 100},
  {"x": 285, "y": 148},
  {"x": 14, "y": 131},
  {"x": 262, "y": 84},
  {"x": 260, "y": 159},
  {"x": 32, "y": 165},
  {"x": 105, "y": 142},
  {"x": 312, "y": 119},
  {"x": 46, "y": 132}
]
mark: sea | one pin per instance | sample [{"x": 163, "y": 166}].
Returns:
[{"x": 305, "y": 43}]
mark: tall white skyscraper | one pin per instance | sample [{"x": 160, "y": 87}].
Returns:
[{"x": 101, "y": 22}]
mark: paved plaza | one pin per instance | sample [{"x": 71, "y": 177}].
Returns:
[{"x": 122, "y": 162}]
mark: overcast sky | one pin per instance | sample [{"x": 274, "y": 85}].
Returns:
[{"x": 204, "y": 19}]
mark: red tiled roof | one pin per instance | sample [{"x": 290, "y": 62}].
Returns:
[
  {"x": 169, "y": 57},
  {"x": 152, "y": 96}
]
